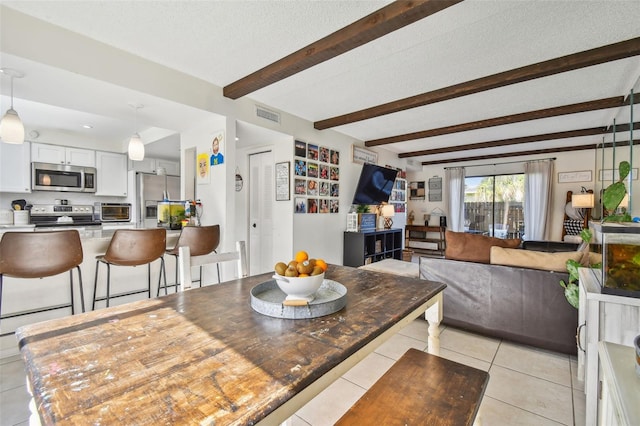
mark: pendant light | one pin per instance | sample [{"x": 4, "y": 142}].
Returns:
[
  {"x": 136, "y": 147},
  {"x": 11, "y": 127}
]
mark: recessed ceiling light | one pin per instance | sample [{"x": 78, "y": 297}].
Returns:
[{"x": 87, "y": 126}]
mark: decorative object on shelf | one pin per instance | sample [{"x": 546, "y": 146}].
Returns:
[
  {"x": 388, "y": 212},
  {"x": 613, "y": 196},
  {"x": 282, "y": 181},
  {"x": 11, "y": 127},
  {"x": 411, "y": 217},
  {"x": 136, "y": 147},
  {"x": 239, "y": 181}
]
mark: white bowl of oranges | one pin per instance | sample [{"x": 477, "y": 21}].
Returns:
[{"x": 301, "y": 278}]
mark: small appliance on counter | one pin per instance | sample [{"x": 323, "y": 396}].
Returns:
[
  {"x": 112, "y": 212},
  {"x": 171, "y": 214}
]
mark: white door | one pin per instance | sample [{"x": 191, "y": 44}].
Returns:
[{"x": 261, "y": 197}]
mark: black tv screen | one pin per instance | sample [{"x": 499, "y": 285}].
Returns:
[{"x": 375, "y": 184}]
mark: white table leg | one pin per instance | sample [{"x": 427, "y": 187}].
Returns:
[{"x": 433, "y": 315}]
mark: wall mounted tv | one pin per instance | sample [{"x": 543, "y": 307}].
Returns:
[{"x": 375, "y": 184}]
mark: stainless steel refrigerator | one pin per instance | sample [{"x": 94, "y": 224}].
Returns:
[{"x": 150, "y": 189}]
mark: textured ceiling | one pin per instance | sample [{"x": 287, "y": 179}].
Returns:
[{"x": 223, "y": 41}]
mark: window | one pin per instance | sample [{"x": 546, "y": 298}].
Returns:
[{"x": 493, "y": 205}]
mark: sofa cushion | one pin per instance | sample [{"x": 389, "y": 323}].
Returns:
[
  {"x": 533, "y": 259},
  {"x": 473, "y": 247}
]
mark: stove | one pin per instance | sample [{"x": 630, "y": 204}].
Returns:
[{"x": 55, "y": 215}]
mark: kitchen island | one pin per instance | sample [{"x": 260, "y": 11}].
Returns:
[
  {"x": 206, "y": 357},
  {"x": 22, "y": 294}
]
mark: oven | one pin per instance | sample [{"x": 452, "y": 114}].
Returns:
[
  {"x": 61, "y": 177},
  {"x": 112, "y": 212},
  {"x": 56, "y": 216}
]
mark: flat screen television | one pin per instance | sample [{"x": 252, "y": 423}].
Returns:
[{"x": 375, "y": 184}]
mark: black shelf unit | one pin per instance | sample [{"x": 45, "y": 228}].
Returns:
[{"x": 361, "y": 248}]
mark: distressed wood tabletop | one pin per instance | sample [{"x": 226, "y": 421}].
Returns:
[{"x": 203, "y": 356}]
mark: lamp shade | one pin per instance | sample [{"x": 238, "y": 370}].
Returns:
[
  {"x": 11, "y": 128},
  {"x": 388, "y": 210},
  {"x": 582, "y": 201},
  {"x": 625, "y": 202},
  {"x": 136, "y": 148}
]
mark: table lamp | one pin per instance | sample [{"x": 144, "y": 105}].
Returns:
[
  {"x": 584, "y": 200},
  {"x": 387, "y": 212}
]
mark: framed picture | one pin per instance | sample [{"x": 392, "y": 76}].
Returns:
[
  {"x": 363, "y": 155},
  {"x": 324, "y": 205},
  {"x": 334, "y": 206},
  {"x": 312, "y": 169},
  {"x": 300, "y": 205},
  {"x": 300, "y": 186},
  {"x": 335, "y": 157},
  {"x": 416, "y": 190},
  {"x": 609, "y": 174},
  {"x": 312, "y": 205},
  {"x": 581, "y": 176},
  {"x": 282, "y": 181},
  {"x": 300, "y": 149},
  {"x": 301, "y": 168},
  {"x": 324, "y": 154}
]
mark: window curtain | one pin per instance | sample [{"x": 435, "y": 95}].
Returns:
[
  {"x": 455, "y": 182},
  {"x": 538, "y": 178}
]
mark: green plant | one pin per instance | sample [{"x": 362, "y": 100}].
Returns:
[
  {"x": 571, "y": 291},
  {"x": 362, "y": 208},
  {"x": 613, "y": 195}
]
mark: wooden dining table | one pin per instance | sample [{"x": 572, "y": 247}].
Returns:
[{"x": 204, "y": 356}]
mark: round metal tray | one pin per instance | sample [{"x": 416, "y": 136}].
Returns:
[{"x": 268, "y": 299}]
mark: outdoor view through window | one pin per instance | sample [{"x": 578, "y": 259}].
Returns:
[{"x": 493, "y": 205}]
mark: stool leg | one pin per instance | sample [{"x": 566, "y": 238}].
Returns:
[
  {"x": 200, "y": 280},
  {"x": 149, "y": 280},
  {"x": 95, "y": 287},
  {"x": 108, "y": 283},
  {"x": 73, "y": 308},
  {"x": 218, "y": 266},
  {"x": 0, "y": 295},
  {"x": 81, "y": 289},
  {"x": 163, "y": 273}
]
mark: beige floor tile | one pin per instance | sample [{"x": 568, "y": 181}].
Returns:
[
  {"x": 463, "y": 359},
  {"x": 418, "y": 330},
  {"x": 546, "y": 365},
  {"x": 496, "y": 413},
  {"x": 326, "y": 408},
  {"x": 529, "y": 393},
  {"x": 296, "y": 421},
  {"x": 14, "y": 406},
  {"x": 12, "y": 375},
  {"x": 473, "y": 345},
  {"x": 579, "y": 407},
  {"x": 575, "y": 382},
  {"x": 370, "y": 369},
  {"x": 398, "y": 344}
]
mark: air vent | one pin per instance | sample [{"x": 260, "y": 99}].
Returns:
[
  {"x": 267, "y": 114},
  {"x": 414, "y": 166}
]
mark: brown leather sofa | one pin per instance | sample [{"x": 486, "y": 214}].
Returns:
[{"x": 522, "y": 305}]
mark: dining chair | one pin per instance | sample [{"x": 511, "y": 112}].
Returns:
[
  {"x": 132, "y": 247},
  {"x": 186, "y": 262},
  {"x": 201, "y": 240},
  {"x": 39, "y": 255}
]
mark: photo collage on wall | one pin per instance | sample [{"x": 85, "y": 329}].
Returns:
[{"x": 316, "y": 175}]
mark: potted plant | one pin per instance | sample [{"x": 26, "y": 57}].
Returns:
[
  {"x": 571, "y": 291},
  {"x": 613, "y": 196}
]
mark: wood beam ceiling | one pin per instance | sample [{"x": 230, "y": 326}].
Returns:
[
  {"x": 378, "y": 24},
  {"x": 603, "y": 54},
  {"x": 531, "y": 152},
  {"x": 594, "y": 131},
  {"x": 614, "y": 102}
]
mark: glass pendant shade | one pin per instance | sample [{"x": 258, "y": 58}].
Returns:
[
  {"x": 11, "y": 128},
  {"x": 136, "y": 148}
]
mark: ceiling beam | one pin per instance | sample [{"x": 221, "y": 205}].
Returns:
[
  {"x": 611, "y": 52},
  {"x": 378, "y": 24},
  {"x": 532, "y": 152},
  {"x": 614, "y": 102},
  {"x": 525, "y": 139}
]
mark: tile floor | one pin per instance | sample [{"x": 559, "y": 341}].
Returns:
[{"x": 527, "y": 386}]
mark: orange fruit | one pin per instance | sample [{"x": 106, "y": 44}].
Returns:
[
  {"x": 301, "y": 256},
  {"x": 321, "y": 263},
  {"x": 303, "y": 275}
]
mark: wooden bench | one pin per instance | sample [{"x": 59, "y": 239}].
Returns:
[{"x": 421, "y": 389}]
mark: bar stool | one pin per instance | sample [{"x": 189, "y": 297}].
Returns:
[
  {"x": 39, "y": 255},
  {"x": 201, "y": 240},
  {"x": 132, "y": 247}
]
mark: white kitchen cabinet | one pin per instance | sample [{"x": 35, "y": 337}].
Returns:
[
  {"x": 172, "y": 168},
  {"x": 112, "y": 174},
  {"x": 602, "y": 317},
  {"x": 151, "y": 165},
  {"x": 15, "y": 167},
  {"x": 57, "y": 154},
  {"x": 620, "y": 386}
]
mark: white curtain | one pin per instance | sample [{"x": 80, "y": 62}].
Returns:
[
  {"x": 455, "y": 182},
  {"x": 538, "y": 177}
]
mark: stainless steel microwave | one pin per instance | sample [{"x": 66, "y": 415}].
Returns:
[{"x": 60, "y": 177}]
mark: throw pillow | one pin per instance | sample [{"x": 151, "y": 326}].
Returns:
[
  {"x": 533, "y": 259},
  {"x": 573, "y": 227},
  {"x": 473, "y": 247}
]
